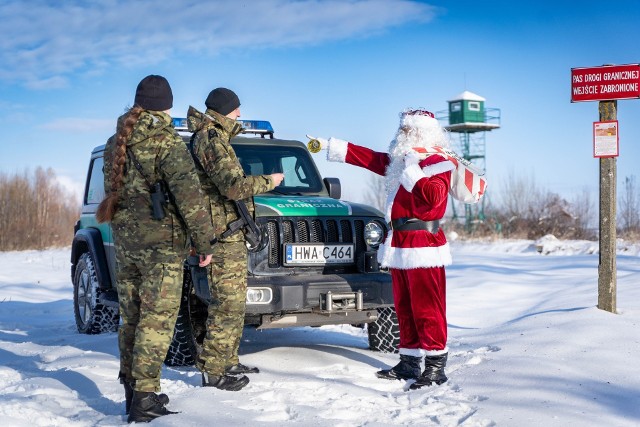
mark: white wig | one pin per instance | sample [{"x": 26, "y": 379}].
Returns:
[{"x": 418, "y": 128}]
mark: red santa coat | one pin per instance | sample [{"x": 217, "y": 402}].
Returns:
[{"x": 421, "y": 192}]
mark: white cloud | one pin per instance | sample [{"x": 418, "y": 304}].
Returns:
[
  {"x": 53, "y": 82},
  {"x": 44, "y": 41}
]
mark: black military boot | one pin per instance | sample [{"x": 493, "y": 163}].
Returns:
[
  {"x": 408, "y": 368},
  {"x": 239, "y": 369},
  {"x": 128, "y": 394},
  {"x": 224, "y": 382},
  {"x": 433, "y": 372},
  {"x": 146, "y": 407}
]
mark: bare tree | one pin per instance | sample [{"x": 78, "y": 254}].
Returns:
[
  {"x": 376, "y": 193},
  {"x": 585, "y": 214},
  {"x": 519, "y": 194},
  {"x": 35, "y": 213},
  {"x": 532, "y": 212},
  {"x": 551, "y": 214},
  {"x": 519, "y": 197},
  {"x": 629, "y": 207}
]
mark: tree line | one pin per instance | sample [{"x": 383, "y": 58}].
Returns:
[
  {"x": 36, "y": 212},
  {"x": 521, "y": 209}
]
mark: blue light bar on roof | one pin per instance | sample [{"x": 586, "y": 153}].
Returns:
[
  {"x": 179, "y": 122},
  {"x": 250, "y": 126},
  {"x": 257, "y": 126}
]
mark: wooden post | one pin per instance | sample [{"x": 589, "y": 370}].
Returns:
[{"x": 607, "y": 283}]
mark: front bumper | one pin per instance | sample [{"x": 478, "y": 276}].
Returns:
[{"x": 303, "y": 293}]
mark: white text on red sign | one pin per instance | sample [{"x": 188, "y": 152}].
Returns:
[{"x": 605, "y": 83}]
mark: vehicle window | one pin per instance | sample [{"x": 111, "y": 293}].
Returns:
[
  {"x": 95, "y": 189},
  {"x": 300, "y": 174},
  {"x": 295, "y": 175}
]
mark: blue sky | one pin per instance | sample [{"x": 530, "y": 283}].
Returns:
[{"x": 326, "y": 68}]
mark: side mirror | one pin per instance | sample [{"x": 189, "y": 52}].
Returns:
[{"x": 334, "y": 187}]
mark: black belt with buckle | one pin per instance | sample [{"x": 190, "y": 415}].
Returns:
[{"x": 414, "y": 224}]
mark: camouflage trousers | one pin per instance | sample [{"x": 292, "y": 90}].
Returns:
[
  {"x": 225, "y": 321},
  {"x": 149, "y": 293}
]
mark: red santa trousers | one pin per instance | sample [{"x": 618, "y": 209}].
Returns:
[{"x": 420, "y": 299}]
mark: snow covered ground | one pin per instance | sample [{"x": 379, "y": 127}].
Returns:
[{"x": 528, "y": 347}]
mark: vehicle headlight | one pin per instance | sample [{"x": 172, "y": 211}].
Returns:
[
  {"x": 259, "y": 295},
  {"x": 373, "y": 233}
]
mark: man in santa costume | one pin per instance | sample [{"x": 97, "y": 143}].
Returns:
[{"x": 416, "y": 249}]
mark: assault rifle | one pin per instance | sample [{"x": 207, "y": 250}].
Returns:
[{"x": 252, "y": 234}]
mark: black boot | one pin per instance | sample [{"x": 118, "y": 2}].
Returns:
[
  {"x": 224, "y": 382},
  {"x": 128, "y": 394},
  {"x": 433, "y": 372},
  {"x": 239, "y": 369},
  {"x": 408, "y": 368},
  {"x": 146, "y": 407}
]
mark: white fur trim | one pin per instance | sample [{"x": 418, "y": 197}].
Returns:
[
  {"x": 337, "y": 151},
  {"x": 420, "y": 352},
  {"x": 408, "y": 258},
  {"x": 414, "y": 352},
  {"x": 437, "y": 168},
  {"x": 436, "y": 352},
  {"x": 419, "y": 121},
  {"x": 412, "y": 158},
  {"x": 410, "y": 176}
]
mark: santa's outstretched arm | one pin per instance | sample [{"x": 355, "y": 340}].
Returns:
[{"x": 339, "y": 150}]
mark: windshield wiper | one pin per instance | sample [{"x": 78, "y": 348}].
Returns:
[{"x": 289, "y": 193}]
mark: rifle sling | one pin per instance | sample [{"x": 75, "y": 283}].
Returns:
[{"x": 138, "y": 166}]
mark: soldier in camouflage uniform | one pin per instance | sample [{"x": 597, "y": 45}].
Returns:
[
  {"x": 224, "y": 180},
  {"x": 150, "y": 251}
]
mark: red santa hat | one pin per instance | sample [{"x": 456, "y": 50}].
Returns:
[{"x": 418, "y": 119}]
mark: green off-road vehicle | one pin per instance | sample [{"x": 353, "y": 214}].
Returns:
[{"x": 318, "y": 266}]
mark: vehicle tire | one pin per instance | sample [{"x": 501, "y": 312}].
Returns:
[
  {"x": 91, "y": 316},
  {"x": 190, "y": 328},
  {"x": 384, "y": 333}
]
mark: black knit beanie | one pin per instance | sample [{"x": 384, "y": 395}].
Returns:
[
  {"x": 154, "y": 93},
  {"x": 222, "y": 100}
]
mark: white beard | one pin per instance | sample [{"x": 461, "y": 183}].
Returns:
[{"x": 404, "y": 143}]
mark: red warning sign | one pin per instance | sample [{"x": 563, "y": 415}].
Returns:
[{"x": 605, "y": 83}]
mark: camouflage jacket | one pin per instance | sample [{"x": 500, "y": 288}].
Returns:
[
  {"x": 162, "y": 155},
  {"x": 220, "y": 172}
]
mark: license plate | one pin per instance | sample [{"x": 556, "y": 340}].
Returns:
[{"x": 319, "y": 253}]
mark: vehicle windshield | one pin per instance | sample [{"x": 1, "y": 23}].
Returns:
[{"x": 300, "y": 174}]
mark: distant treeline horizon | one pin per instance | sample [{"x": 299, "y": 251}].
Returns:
[{"x": 38, "y": 212}]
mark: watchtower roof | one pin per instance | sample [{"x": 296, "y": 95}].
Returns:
[{"x": 467, "y": 96}]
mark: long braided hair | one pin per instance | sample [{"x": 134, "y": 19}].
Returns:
[{"x": 109, "y": 205}]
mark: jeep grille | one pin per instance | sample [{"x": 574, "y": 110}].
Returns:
[{"x": 317, "y": 230}]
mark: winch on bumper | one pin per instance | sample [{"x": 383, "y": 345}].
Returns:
[{"x": 315, "y": 300}]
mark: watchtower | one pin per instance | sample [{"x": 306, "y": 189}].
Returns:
[{"x": 468, "y": 117}]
